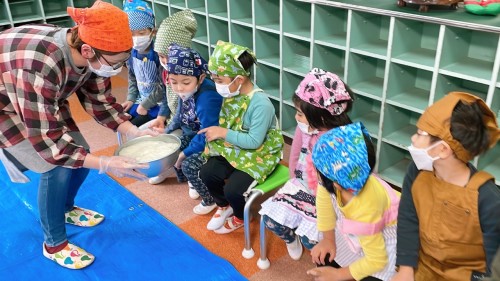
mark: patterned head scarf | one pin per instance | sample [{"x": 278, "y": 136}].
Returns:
[
  {"x": 325, "y": 90},
  {"x": 140, "y": 15},
  {"x": 103, "y": 26},
  {"x": 179, "y": 28},
  {"x": 341, "y": 155},
  {"x": 436, "y": 121},
  {"x": 185, "y": 61},
  {"x": 224, "y": 61}
]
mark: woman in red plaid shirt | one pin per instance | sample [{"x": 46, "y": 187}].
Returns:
[{"x": 40, "y": 67}]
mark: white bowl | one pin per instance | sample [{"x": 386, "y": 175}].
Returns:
[{"x": 163, "y": 161}]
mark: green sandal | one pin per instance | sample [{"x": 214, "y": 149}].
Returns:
[
  {"x": 72, "y": 257},
  {"x": 83, "y": 217}
]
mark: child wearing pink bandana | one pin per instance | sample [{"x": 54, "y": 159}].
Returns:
[
  {"x": 322, "y": 101},
  {"x": 357, "y": 211}
]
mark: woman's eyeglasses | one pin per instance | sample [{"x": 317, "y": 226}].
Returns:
[{"x": 115, "y": 66}]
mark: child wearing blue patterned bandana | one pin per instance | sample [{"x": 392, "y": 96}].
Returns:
[
  {"x": 144, "y": 68},
  {"x": 357, "y": 211}
]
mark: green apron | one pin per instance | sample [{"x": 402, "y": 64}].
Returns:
[{"x": 258, "y": 163}]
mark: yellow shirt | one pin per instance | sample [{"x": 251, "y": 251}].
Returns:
[{"x": 368, "y": 206}]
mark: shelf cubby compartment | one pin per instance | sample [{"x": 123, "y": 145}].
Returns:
[
  {"x": 365, "y": 75},
  {"x": 399, "y": 125},
  {"x": 4, "y": 16},
  {"x": 178, "y": 3},
  {"x": 242, "y": 35},
  {"x": 490, "y": 162},
  {"x": 268, "y": 14},
  {"x": 276, "y": 105},
  {"x": 217, "y": 8},
  {"x": 61, "y": 21},
  {"x": 268, "y": 79},
  {"x": 446, "y": 84},
  {"x": 297, "y": 18},
  {"x": 367, "y": 111},
  {"x": 163, "y": 2},
  {"x": 267, "y": 47},
  {"x": 495, "y": 105},
  {"x": 197, "y": 6},
  {"x": 330, "y": 26},
  {"x": 241, "y": 11},
  {"x": 202, "y": 49},
  {"x": 119, "y": 3},
  {"x": 161, "y": 12},
  {"x": 392, "y": 163},
  {"x": 468, "y": 54},
  {"x": 202, "y": 33},
  {"x": 329, "y": 59},
  {"x": 369, "y": 34},
  {"x": 38, "y": 21},
  {"x": 82, "y": 3},
  {"x": 289, "y": 85},
  {"x": 55, "y": 8},
  {"x": 409, "y": 87},
  {"x": 218, "y": 30},
  {"x": 296, "y": 55},
  {"x": 25, "y": 10},
  {"x": 415, "y": 43},
  {"x": 288, "y": 123}
]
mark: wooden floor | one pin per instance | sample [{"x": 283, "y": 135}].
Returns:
[{"x": 172, "y": 201}]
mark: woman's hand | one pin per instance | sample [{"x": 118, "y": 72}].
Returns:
[
  {"x": 405, "y": 273},
  {"x": 214, "y": 133}
]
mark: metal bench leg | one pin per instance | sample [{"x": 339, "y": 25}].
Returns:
[
  {"x": 263, "y": 262},
  {"x": 119, "y": 136},
  {"x": 248, "y": 252}
]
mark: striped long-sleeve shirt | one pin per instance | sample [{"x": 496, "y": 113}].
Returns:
[{"x": 37, "y": 75}]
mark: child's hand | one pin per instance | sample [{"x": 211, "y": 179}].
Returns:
[
  {"x": 158, "y": 124},
  {"x": 214, "y": 132},
  {"x": 320, "y": 251},
  {"x": 180, "y": 159},
  {"x": 405, "y": 273},
  {"x": 325, "y": 273},
  {"x": 141, "y": 110},
  {"x": 127, "y": 105}
]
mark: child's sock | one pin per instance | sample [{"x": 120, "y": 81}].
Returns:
[{"x": 56, "y": 249}]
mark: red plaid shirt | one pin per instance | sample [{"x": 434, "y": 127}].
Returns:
[{"x": 36, "y": 79}]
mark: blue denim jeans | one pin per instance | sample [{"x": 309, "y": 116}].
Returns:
[{"x": 56, "y": 194}]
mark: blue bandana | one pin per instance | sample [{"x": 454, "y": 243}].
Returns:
[
  {"x": 140, "y": 15},
  {"x": 185, "y": 61},
  {"x": 341, "y": 155}
]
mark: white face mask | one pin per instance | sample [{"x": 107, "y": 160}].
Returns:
[
  {"x": 422, "y": 159},
  {"x": 224, "y": 91},
  {"x": 141, "y": 43},
  {"x": 104, "y": 70},
  {"x": 305, "y": 128},
  {"x": 186, "y": 96},
  {"x": 164, "y": 65}
]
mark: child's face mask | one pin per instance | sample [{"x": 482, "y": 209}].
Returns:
[
  {"x": 141, "y": 43},
  {"x": 224, "y": 91},
  {"x": 421, "y": 157}
]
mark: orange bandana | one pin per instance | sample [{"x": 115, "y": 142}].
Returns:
[
  {"x": 436, "y": 121},
  {"x": 103, "y": 26}
]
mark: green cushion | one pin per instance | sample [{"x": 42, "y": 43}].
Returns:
[
  {"x": 277, "y": 178},
  {"x": 492, "y": 9}
]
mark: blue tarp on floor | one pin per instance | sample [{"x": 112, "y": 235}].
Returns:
[{"x": 134, "y": 242}]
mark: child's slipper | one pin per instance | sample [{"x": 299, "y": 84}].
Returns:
[
  {"x": 229, "y": 226},
  {"x": 83, "y": 217},
  {"x": 72, "y": 257}
]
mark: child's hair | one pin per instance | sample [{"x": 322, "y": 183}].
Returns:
[
  {"x": 467, "y": 127},
  {"x": 320, "y": 118},
  {"x": 372, "y": 158},
  {"x": 247, "y": 61}
]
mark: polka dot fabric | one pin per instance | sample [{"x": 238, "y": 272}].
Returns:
[{"x": 179, "y": 28}]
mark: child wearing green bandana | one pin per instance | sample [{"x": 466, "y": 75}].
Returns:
[{"x": 247, "y": 145}]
